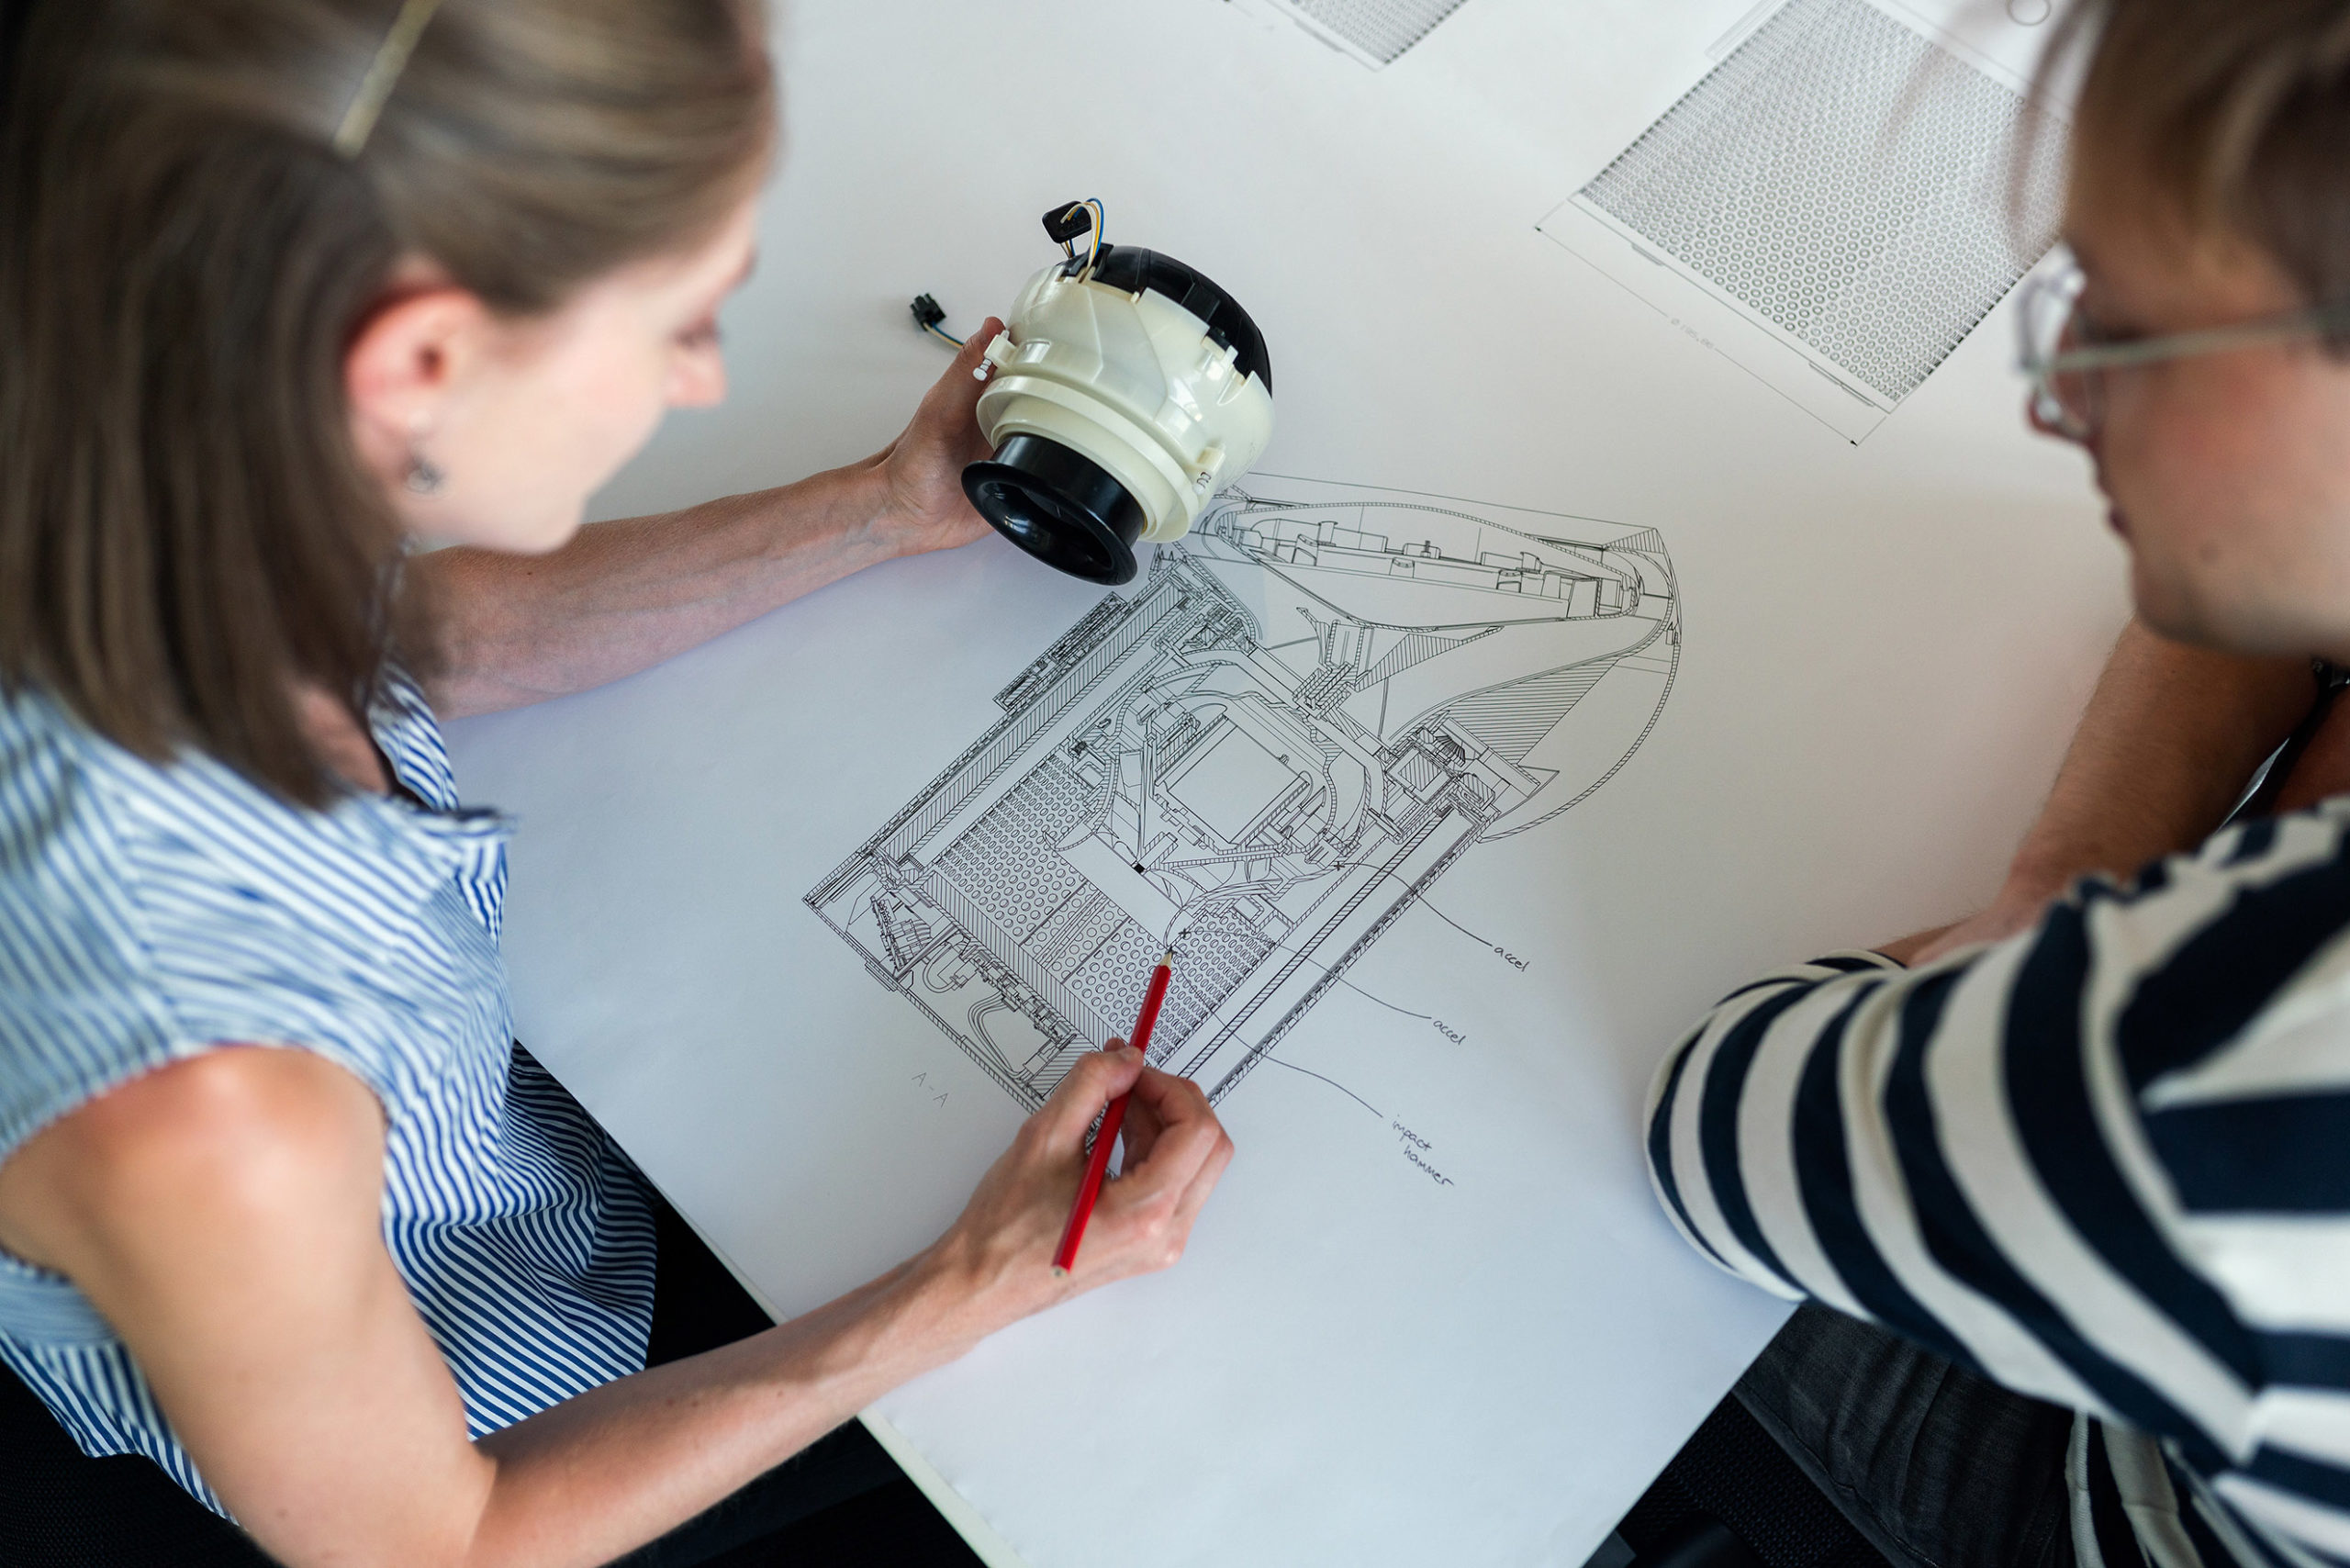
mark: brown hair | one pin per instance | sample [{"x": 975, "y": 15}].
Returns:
[
  {"x": 2238, "y": 111},
  {"x": 185, "y": 525}
]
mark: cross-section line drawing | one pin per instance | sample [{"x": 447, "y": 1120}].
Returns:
[{"x": 1263, "y": 752}]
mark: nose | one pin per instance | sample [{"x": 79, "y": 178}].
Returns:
[{"x": 2036, "y": 415}]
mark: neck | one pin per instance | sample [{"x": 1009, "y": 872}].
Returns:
[{"x": 341, "y": 741}]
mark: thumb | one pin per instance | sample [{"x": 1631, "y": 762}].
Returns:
[
  {"x": 967, "y": 359},
  {"x": 1085, "y": 1090},
  {"x": 950, "y": 408}
]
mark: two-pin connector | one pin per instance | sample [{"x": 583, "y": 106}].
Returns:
[{"x": 929, "y": 314}]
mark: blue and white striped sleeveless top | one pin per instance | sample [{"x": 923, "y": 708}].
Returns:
[{"x": 147, "y": 914}]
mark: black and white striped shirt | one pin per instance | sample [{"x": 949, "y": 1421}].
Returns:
[{"x": 2106, "y": 1162}]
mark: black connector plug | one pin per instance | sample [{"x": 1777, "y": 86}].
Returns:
[
  {"x": 1070, "y": 222},
  {"x": 928, "y": 312}
]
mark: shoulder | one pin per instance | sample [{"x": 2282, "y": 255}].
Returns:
[
  {"x": 237, "y": 1136},
  {"x": 182, "y": 853},
  {"x": 72, "y": 942},
  {"x": 80, "y": 816},
  {"x": 149, "y": 910},
  {"x": 2234, "y": 1033},
  {"x": 251, "y": 1098},
  {"x": 103, "y": 854},
  {"x": 2206, "y": 956},
  {"x": 50, "y": 793}
]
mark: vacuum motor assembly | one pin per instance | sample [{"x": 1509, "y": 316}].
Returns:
[{"x": 1126, "y": 392}]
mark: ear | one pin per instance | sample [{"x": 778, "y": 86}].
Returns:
[{"x": 401, "y": 369}]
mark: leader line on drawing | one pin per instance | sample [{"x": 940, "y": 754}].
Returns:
[
  {"x": 1425, "y": 903},
  {"x": 1331, "y": 1082},
  {"x": 1499, "y": 951},
  {"x": 1358, "y": 990}
]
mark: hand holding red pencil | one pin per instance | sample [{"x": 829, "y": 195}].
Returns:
[
  {"x": 998, "y": 1254},
  {"x": 1097, "y": 1164}
]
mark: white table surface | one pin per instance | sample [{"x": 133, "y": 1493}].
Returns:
[{"x": 1887, "y": 646}]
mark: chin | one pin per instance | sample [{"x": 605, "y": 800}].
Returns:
[
  {"x": 524, "y": 535},
  {"x": 2256, "y": 631},
  {"x": 555, "y": 536},
  {"x": 2171, "y": 609}
]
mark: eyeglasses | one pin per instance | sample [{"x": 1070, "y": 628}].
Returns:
[{"x": 2066, "y": 354}]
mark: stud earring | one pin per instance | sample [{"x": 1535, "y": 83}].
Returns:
[{"x": 424, "y": 477}]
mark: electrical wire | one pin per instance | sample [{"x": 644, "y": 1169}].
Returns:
[
  {"x": 931, "y": 317},
  {"x": 1093, "y": 248},
  {"x": 927, "y": 315},
  {"x": 1093, "y": 253}
]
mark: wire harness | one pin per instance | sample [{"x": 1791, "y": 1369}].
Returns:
[{"x": 1067, "y": 223}]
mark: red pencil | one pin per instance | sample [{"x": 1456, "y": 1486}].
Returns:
[{"x": 1098, "y": 1163}]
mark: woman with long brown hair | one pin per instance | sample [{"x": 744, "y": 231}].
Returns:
[{"x": 287, "y": 287}]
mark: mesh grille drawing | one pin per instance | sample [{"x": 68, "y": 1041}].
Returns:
[
  {"x": 1377, "y": 30},
  {"x": 1848, "y": 181},
  {"x": 1261, "y": 754}
]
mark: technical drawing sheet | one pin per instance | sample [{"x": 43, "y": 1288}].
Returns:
[
  {"x": 1551, "y": 678},
  {"x": 1321, "y": 746}
]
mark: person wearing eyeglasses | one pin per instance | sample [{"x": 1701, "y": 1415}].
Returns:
[{"x": 2064, "y": 1189}]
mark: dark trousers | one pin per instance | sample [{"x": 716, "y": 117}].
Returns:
[
  {"x": 1937, "y": 1467},
  {"x": 708, "y": 1310},
  {"x": 60, "y": 1509}
]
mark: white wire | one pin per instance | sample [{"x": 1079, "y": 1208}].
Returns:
[{"x": 1093, "y": 253}]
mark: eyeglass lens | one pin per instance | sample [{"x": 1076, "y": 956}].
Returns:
[{"x": 2071, "y": 401}]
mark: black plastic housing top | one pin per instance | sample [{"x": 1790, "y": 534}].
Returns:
[
  {"x": 1059, "y": 506},
  {"x": 1133, "y": 269}
]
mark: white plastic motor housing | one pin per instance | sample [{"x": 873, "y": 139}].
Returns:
[{"x": 1136, "y": 383}]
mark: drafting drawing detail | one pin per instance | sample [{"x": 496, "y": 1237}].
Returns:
[
  {"x": 1374, "y": 31},
  {"x": 1847, "y": 184},
  {"x": 1261, "y": 753}
]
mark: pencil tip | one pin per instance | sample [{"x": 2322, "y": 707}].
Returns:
[{"x": 1059, "y": 1272}]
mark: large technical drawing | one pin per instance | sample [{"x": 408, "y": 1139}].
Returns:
[{"x": 1261, "y": 753}]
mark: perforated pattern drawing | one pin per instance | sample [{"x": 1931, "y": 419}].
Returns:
[
  {"x": 1004, "y": 862},
  {"x": 1850, "y": 182},
  {"x": 1382, "y": 29}
]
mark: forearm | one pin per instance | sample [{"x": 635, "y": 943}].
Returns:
[
  {"x": 624, "y": 595},
  {"x": 597, "y": 1476},
  {"x": 2167, "y": 744},
  {"x": 1702, "y": 1088},
  {"x": 600, "y": 1474},
  {"x": 224, "y": 1216}
]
